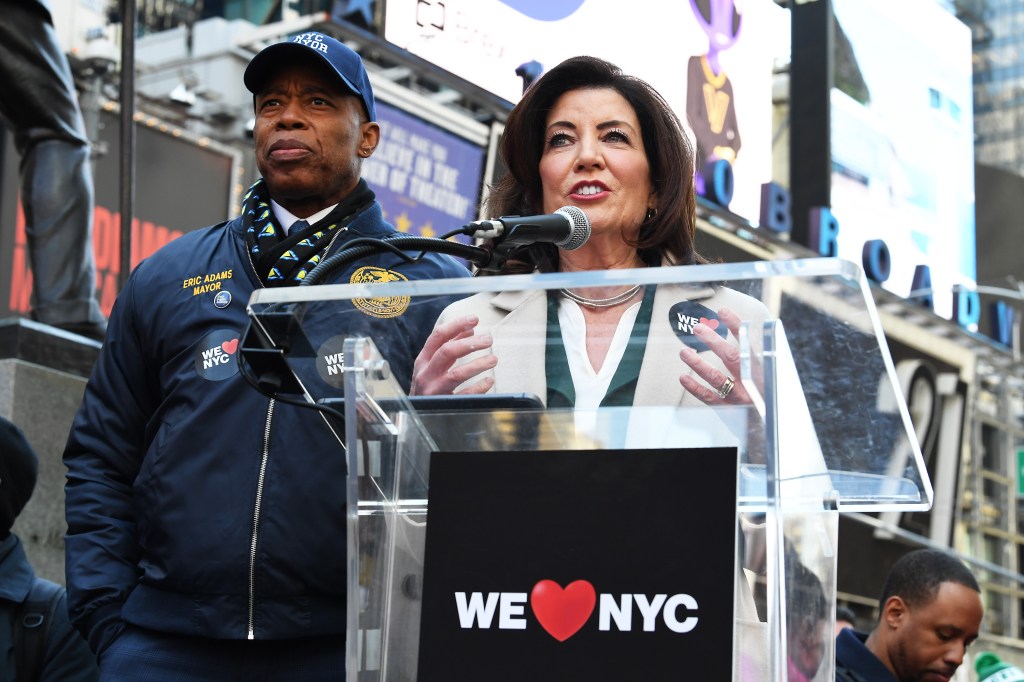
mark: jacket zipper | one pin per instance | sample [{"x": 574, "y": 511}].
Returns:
[
  {"x": 256, "y": 520},
  {"x": 263, "y": 472}
]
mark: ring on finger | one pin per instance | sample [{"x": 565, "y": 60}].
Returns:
[{"x": 726, "y": 388}]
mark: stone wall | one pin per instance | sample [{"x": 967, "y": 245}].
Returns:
[{"x": 42, "y": 377}]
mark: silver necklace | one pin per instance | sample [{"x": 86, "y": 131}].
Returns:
[{"x": 602, "y": 302}]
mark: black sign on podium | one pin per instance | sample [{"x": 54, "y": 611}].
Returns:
[{"x": 579, "y": 565}]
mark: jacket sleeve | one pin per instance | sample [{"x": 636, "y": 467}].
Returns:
[
  {"x": 68, "y": 658},
  {"x": 103, "y": 455}
]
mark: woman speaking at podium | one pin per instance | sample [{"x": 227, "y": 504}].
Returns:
[{"x": 587, "y": 135}]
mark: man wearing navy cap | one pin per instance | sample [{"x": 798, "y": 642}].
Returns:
[{"x": 206, "y": 521}]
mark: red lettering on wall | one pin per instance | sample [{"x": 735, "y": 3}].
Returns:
[
  {"x": 106, "y": 291},
  {"x": 21, "y": 274},
  {"x": 147, "y": 237},
  {"x": 106, "y": 239}
]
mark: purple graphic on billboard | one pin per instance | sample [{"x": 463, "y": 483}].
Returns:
[
  {"x": 545, "y": 10},
  {"x": 427, "y": 179},
  {"x": 710, "y": 104}
]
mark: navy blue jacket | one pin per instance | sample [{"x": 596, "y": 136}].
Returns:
[
  {"x": 855, "y": 662},
  {"x": 195, "y": 504},
  {"x": 66, "y": 658}
]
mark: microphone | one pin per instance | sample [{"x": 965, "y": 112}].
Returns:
[{"x": 567, "y": 228}]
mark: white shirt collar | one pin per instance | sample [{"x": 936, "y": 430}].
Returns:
[{"x": 286, "y": 218}]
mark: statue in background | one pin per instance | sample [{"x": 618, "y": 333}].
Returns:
[{"x": 39, "y": 104}]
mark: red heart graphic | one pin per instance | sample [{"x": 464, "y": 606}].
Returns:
[
  {"x": 711, "y": 324},
  {"x": 230, "y": 346},
  {"x": 562, "y": 612}
]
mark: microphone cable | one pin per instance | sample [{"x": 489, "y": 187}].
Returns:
[{"x": 366, "y": 246}]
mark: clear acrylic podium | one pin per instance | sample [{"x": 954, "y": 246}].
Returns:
[{"x": 827, "y": 430}]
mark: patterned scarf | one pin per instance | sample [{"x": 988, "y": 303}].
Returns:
[{"x": 284, "y": 259}]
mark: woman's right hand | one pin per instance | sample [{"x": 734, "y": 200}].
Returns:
[{"x": 437, "y": 370}]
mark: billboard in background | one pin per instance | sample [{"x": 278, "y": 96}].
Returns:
[
  {"x": 902, "y": 142},
  {"x": 427, "y": 180},
  {"x": 666, "y": 44},
  {"x": 180, "y": 185}
]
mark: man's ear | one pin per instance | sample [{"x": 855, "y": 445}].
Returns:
[
  {"x": 894, "y": 612},
  {"x": 370, "y": 133}
]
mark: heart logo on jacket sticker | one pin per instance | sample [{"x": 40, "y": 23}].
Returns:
[
  {"x": 215, "y": 357},
  {"x": 562, "y": 612},
  {"x": 685, "y": 314}
]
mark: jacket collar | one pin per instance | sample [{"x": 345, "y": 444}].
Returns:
[
  {"x": 510, "y": 300},
  {"x": 368, "y": 223},
  {"x": 853, "y": 654},
  {"x": 16, "y": 574}
]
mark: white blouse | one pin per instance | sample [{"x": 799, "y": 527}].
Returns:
[{"x": 591, "y": 387}]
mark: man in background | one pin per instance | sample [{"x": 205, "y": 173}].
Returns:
[
  {"x": 930, "y": 612},
  {"x": 39, "y": 104},
  {"x": 845, "y": 618}
]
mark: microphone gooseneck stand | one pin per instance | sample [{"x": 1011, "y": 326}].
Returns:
[
  {"x": 361, "y": 248},
  {"x": 568, "y": 228}
]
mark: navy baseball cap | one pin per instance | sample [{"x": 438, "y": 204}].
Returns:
[{"x": 342, "y": 59}]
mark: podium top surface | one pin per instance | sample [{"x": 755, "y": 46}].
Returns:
[{"x": 825, "y": 414}]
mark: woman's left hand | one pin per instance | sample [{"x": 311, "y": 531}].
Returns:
[{"x": 721, "y": 387}]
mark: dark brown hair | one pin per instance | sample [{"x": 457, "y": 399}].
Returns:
[{"x": 670, "y": 232}]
